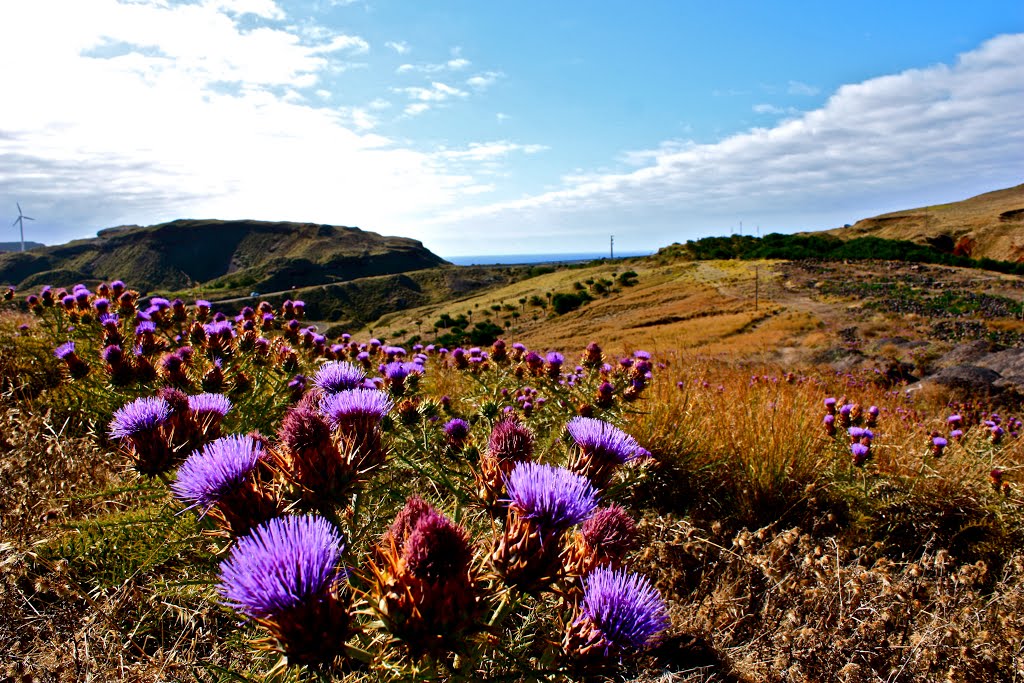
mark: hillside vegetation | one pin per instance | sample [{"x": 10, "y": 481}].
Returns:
[
  {"x": 990, "y": 225},
  {"x": 783, "y": 518},
  {"x": 225, "y": 256}
]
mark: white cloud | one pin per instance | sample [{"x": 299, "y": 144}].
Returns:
[
  {"x": 484, "y": 80},
  {"x": 798, "y": 88},
  {"x": 774, "y": 110},
  {"x": 379, "y": 103},
  {"x": 486, "y": 151},
  {"x": 267, "y": 9},
  {"x": 399, "y": 46},
  {"x": 353, "y": 44},
  {"x": 137, "y": 112},
  {"x": 931, "y": 130},
  {"x": 454, "y": 64},
  {"x": 437, "y": 92},
  {"x": 502, "y": 117},
  {"x": 415, "y": 109}
]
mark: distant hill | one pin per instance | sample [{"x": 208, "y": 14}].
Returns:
[
  {"x": 222, "y": 255},
  {"x": 990, "y": 225},
  {"x": 16, "y": 246}
]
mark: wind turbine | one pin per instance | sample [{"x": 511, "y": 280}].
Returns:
[{"x": 20, "y": 222}]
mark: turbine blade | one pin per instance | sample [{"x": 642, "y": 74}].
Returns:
[
  {"x": 19, "y": 206},
  {"x": 28, "y": 218},
  {"x": 15, "y": 221}
]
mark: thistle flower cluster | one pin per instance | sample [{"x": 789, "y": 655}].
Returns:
[
  {"x": 428, "y": 580},
  {"x": 424, "y": 588}
]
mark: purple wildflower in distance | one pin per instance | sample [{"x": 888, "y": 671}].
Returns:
[
  {"x": 284, "y": 564},
  {"x": 338, "y": 376},
  {"x": 627, "y": 610},
  {"x": 860, "y": 453},
  {"x": 215, "y": 471},
  {"x": 141, "y": 415},
  {"x": 604, "y": 440},
  {"x": 552, "y": 497}
]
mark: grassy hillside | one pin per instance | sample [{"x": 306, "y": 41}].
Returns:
[
  {"x": 990, "y": 225},
  {"x": 709, "y": 307},
  {"x": 225, "y": 255},
  {"x": 778, "y": 548}
]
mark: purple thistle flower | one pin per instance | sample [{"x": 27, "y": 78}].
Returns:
[
  {"x": 627, "y": 610},
  {"x": 956, "y": 434},
  {"x": 65, "y": 350},
  {"x": 510, "y": 440},
  {"x": 219, "y": 328},
  {"x": 338, "y": 376},
  {"x": 396, "y": 371},
  {"x": 456, "y": 430},
  {"x": 860, "y": 453},
  {"x": 207, "y": 404},
  {"x": 610, "y": 531},
  {"x": 141, "y": 415},
  {"x": 145, "y": 327},
  {"x": 436, "y": 548},
  {"x": 355, "y": 403},
  {"x": 604, "y": 440},
  {"x": 552, "y": 497},
  {"x": 112, "y": 354},
  {"x": 284, "y": 564},
  {"x": 641, "y": 355},
  {"x": 215, "y": 471}
]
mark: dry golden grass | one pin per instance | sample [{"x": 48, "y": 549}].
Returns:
[{"x": 992, "y": 222}]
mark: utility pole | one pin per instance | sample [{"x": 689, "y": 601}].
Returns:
[
  {"x": 757, "y": 285},
  {"x": 611, "y": 247}
]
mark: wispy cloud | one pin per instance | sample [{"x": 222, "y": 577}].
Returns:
[
  {"x": 484, "y": 80},
  {"x": 399, "y": 46},
  {"x": 798, "y": 88},
  {"x": 353, "y": 44},
  {"x": 870, "y": 143},
  {"x": 486, "y": 151},
  {"x": 425, "y": 98},
  {"x": 454, "y": 64}
]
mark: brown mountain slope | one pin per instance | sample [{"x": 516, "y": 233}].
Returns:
[{"x": 990, "y": 225}]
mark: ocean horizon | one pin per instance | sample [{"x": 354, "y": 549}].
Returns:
[{"x": 519, "y": 259}]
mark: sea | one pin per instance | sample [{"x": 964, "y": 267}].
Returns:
[{"x": 519, "y": 259}]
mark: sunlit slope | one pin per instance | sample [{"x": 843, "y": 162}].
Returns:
[{"x": 990, "y": 225}]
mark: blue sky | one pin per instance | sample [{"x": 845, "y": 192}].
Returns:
[{"x": 486, "y": 128}]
